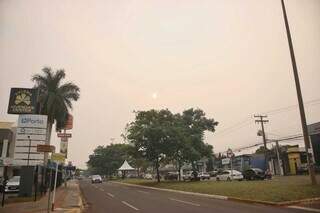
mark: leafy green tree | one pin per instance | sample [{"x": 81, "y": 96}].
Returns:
[
  {"x": 149, "y": 134},
  {"x": 105, "y": 160},
  {"x": 164, "y": 136},
  {"x": 55, "y": 98}
]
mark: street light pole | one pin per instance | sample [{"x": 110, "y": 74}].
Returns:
[
  {"x": 29, "y": 150},
  {"x": 299, "y": 96}
]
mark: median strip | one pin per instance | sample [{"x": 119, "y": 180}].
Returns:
[
  {"x": 129, "y": 205},
  {"x": 186, "y": 202}
]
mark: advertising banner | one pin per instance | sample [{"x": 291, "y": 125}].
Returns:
[
  {"x": 69, "y": 123},
  {"x": 64, "y": 148},
  {"x": 23, "y": 101}
]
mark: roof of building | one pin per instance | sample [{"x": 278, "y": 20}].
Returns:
[{"x": 125, "y": 166}]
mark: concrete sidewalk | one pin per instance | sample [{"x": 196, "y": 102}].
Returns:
[{"x": 67, "y": 200}]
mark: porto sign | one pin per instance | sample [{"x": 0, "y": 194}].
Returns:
[{"x": 23, "y": 101}]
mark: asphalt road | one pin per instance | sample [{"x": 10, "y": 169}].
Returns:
[{"x": 116, "y": 198}]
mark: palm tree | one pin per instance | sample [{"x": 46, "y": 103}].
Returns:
[{"x": 55, "y": 98}]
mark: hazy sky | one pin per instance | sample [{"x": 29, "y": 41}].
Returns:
[{"x": 227, "y": 57}]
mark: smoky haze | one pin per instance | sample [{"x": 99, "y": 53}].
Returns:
[{"x": 229, "y": 58}]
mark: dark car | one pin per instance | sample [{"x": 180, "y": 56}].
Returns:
[
  {"x": 254, "y": 174},
  {"x": 171, "y": 176}
]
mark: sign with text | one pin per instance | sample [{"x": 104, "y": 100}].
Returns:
[
  {"x": 31, "y": 132},
  {"x": 45, "y": 148},
  {"x": 64, "y": 135},
  {"x": 57, "y": 157},
  {"x": 23, "y": 101},
  {"x": 225, "y": 161}
]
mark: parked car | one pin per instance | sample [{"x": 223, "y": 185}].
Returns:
[
  {"x": 148, "y": 176},
  {"x": 96, "y": 179},
  {"x": 254, "y": 174},
  {"x": 13, "y": 184},
  {"x": 204, "y": 175},
  {"x": 171, "y": 176},
  {"x": 191, "y": 176},
  {"x": 213, "y": 173},
  {"x": 226, "y": 175}
]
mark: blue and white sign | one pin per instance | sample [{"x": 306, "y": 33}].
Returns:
[{"x": 31, "y": 131}]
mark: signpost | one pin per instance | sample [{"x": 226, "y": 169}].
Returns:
[
  {"x": 57, "y": 158},
  {"x": 230, "y": 155}
]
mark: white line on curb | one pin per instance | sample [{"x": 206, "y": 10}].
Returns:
[
  {"x": 304, "y": 208},
  {"x": 131, "y": 206},
  {"x": 111, "y": 195},
  {"x": 143, "y": 192},
  {"x": 186, "y": 202}
]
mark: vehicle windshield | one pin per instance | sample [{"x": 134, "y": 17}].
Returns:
[{"x": 96, "y": 176}]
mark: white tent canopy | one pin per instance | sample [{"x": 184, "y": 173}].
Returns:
[{"x": 125, "y": 166}]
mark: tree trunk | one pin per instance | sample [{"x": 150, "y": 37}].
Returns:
[
  {"x": 179, "y": 168},
  {"x": 157, "y": 168},
  {"x": 48, "y": 137}
]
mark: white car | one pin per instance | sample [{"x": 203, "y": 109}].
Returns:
[
  {"x": 13, "y": 184},
  {"x": 96, "y": 179},
  {"x": 204, "y": 175},
  {"x": 228, "y": 175}
]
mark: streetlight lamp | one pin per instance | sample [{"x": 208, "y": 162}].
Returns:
[{"x": 299, "y": 96}]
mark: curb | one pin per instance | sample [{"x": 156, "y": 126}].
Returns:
[{"x": 221, "y": 197}]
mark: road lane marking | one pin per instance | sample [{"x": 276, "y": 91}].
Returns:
[
  {"x": 111, "y": 195},
  {"x": 143, "y": 192},
  {"x": 101, "y": 189},
  {"x": 186, "y": 202},
  {"x": 304, "y": 208},
  {"x": 129, "y": 205}
]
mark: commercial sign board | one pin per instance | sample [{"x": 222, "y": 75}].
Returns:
[
  {"x": 64, "y": 148},
  {"x": 57, "y": 157},
  {"x": 314, "y": 129},
  {"x": 23, "y": 101},
  {"x": 69, "y": 123},
  {"x": 225, "y": 161},
  {"x": 64, "y": 135},
  {"x": 31, "y": 132},
  {"x": 45, "y": 148}
]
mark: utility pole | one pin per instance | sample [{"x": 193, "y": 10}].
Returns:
[
  {"x": 262, "y": 121},
  {"x": 278, "y": 157},
  {"x": 299, "y": 96}
]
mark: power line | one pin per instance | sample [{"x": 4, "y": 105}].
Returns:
[{"x": 247, "y": 121}]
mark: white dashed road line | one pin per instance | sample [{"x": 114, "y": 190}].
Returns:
[
  {"x": 129, "y": 205},
  {"x": 186, "y": 202},
  {"x": 304, "y": 208},
  {"x": 111, "y": 195},
  {"x": 143, "y": 192}
]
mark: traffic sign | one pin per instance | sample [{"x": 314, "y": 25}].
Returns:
[
  {"x": 64, "y": 135},
  {"x": 45, "y": 148}
]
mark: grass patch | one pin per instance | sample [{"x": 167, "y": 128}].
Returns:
[{"x": 279, "y": 189}]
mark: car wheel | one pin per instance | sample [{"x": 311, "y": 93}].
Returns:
[
  {"x": 228, "y": 179},
  {"x": 217, "y": 179}
]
